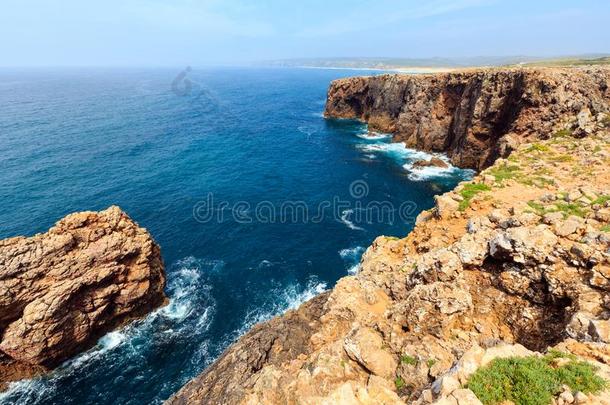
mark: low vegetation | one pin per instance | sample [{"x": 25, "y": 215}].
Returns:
[
  {"x": 408, "y": 360},
  {"x": 533, "y": 380},
  {"x": 468, "y": 193},
  {"x": 504, "y": 172}
]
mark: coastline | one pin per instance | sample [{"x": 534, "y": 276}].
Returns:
[{"x": 405, "y": 328}]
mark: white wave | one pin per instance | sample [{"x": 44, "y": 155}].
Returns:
[
  {"x": 352, "y": 258},
  {"x": 407, "y": 156},
  {"x": 373, "y": 136},
  {"x": 351, "y": 253},
  {"x": 345, "y": 219},
  {"x": 354, "y": 269},
  {"x": 395, "y": 150},
  {"x": 290, "y": 297}
]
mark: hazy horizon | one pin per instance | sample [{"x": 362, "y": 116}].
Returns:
[{"x": 138, "y": 33}]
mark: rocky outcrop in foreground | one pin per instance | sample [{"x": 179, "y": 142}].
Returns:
[
  {"x": 515, "y": 263},
  {"x": 475, "y": 116},
  {"x": 61, "y": 290}
]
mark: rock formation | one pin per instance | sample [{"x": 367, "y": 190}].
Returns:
[
  {"x": 512, "y": 263},
  {"x": 475, "y": 116},
  {"x": 63, "y": 289}
]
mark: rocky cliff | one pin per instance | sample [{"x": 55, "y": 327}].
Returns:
[
  {"x": 61, "y": 290},
  {"x": 474, "y": 116},
  {"x": 514, "y": 263}
]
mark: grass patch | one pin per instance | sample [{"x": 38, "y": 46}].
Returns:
[
  {"x": 563, "y": 133},
  {"x": 408, "y": 360},
  {"x": 606, "y": 228},
  {"x": 538, "y": 208},
  {"x": 565, "y": 208},
  {"x": 430, "y": 363},
  {"x": 504, "y": 172},
  {"x": 536, "y": 181},
  {"x": 532, "y": 380},
  {"x": 468, "y": 193},
  {"x": 601, "y": 200},
  {"x": 570, "y": 209},
  {"x": 561, "y": 158},
  {"x": 537, "y": 147},
  {"x": 399, "y": 383}
]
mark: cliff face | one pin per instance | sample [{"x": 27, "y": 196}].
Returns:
[
  {"x": 61, "y": 290},
  {"x": 474, "y": 116},
  {"x": 513, "y": 263}
]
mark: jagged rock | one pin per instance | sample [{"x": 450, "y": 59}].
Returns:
[
  {"x": 445, "y": 206},
  {"x": 600, "y": 330},
  {"x": 523, "y": 244},
  {"x": 465, "y": 396},
  {"x": 61, "y": 290},
  {"x": 433, "y": 162},
  {"x": 365, "y": 347},
  {"x": 569, "y": 226}
]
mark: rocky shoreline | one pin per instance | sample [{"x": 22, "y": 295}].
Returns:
[{"x": 515, "y": 263}]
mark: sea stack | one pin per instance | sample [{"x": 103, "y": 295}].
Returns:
[{"x": 62, "y": 290}]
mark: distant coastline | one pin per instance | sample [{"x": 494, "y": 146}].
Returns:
[{"x": 417, "y": 69}]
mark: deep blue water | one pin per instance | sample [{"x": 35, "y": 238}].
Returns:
[{"x": 73, "y": 140}]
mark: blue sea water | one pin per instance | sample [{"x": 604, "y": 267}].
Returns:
[{"x": 196, "y": 158}]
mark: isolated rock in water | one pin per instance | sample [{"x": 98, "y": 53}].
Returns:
[
  {"x": 63, "y": 289},
  {"x": 434, "y": 162}
]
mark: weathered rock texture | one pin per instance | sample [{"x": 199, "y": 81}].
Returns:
[
  {"x": 474, "y": 116},
  {"x": 509, "y": 264},
  {"x": 61, "y": 290}
]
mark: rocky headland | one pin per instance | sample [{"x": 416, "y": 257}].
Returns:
[
  {"x": 514, "y": 264},
  {"x": 62, "y": 290},
  {"x": 474, "y": 116}
]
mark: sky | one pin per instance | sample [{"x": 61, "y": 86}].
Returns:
[{"x": 236, "y": 32}]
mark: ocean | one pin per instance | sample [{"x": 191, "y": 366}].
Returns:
[{"x": 257, "y": 201}]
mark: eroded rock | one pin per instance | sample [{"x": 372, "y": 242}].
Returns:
[{"x": 61, "y": 290}]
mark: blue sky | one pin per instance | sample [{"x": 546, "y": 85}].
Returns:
[{"x": 203, "y": 32}]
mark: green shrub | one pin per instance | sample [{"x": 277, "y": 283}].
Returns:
[
  {"x": 532, "y": 380},
  {"x": 399, "y": 383},
  {"x": 408, "y": 360}
]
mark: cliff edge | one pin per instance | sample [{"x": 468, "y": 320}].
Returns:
[
  {"x": 515, "y": 263},
  {"x": 62, "y": 290},
  {"x": 475, "y": 116}
]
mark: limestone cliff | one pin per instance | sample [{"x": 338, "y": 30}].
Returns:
[
  {"x": 475, "y": 116},
  {"x": 63, "y": 289},
  {"x": 513, "y": 263}
]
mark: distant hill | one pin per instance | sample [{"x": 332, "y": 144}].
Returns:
[{"x": 438, "y": 62}]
